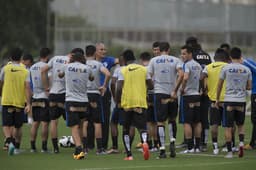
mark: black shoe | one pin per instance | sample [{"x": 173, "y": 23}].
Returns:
[
  {"x": 204, "y": 147},
  {"x": 56, "y": 151},
  {"x": 162, "y": 156},
  {"x": 172, "y": 150}
]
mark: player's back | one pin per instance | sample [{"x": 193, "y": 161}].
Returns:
[{"x": 94, "y": 85}]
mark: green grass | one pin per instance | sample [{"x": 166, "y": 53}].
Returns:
[{"x": 64, "y": 160}]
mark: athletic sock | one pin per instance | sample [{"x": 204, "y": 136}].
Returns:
[
  {"x": 190, "y": 143},
  {"x": 33, "y": 145},
  {"x": 150, "y": 144},
  {"x": 17, "y": 145},
  {"x": 143, "y": 136},
  {"x": 44, "y": 145},
  {"x": 115, "y": 142},
  {"x": 55, "y": 143},
  {"x": 161, "y": 134},
  {"x": 197, "y": 142},
  {"x": 206, "y": 134},
  {"x": 156, "y": 143},
  {"x": 85, "y": 142},
  {"x": 131, "y": 140},
  {"x": 241, "y": 139},
  {"x": 172, "y": 130},
  {"x": 229, "y": 147},
  {"x": 126, "y": 140},
  {"x": 253, "y": 138},
  {"x": 215, "y": 142},
  {"x": 78, "y": 150},
  {"x": 233, "y": 140},
  {"x": 99, "y": 143}
]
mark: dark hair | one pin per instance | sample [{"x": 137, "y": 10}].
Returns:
[
  {"x": 225, "y": 45},
  {"x": 155, "y": 44},
  {"x": 145, "y": 56},
  {"x": 16, "y": 54},
  {"x": 128, "y": 55},
  {"x": 44, "y": 52},
  {"x": 235, "y": 53},
  {"x": 164, "y": 46},
  {"x": 28, "y": 57},
  {"x": 188, "y": 48},
  {"x": 90, "y": 50},
  {"x": 221, "y": 55},
  {"x": 77, "y": 54},
  {"x": 191, "y": 40}
]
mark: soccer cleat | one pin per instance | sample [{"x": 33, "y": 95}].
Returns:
[
  {"x": 182, "y": 145},
  {"x": 128, "y": 158},
  {"x": 216, "y": 151},
  {"x": 101, "y": 152},
  {"x": 78, "y": 156},
  {"x": 145, "y": 151},
  {"x": 45, "y": 151},
  {"x": 112, "y": 151},
  {"x": 204, "y": 147},
  {"x": 248, "y": 147},
  {"x": 162, "y": 156},
  {"x": 154, "y": 149},
  {"x": 241, "y": 152},
  {"x": 172, "y": 150},
  {"x": 33, "y": 150},
  {"x": 86, "y": 151},
  {"x": 197, "y": 150},
  {"x": 11, "y": 149},
  {"x": 235, "y": 149},
  {"x": 56, "y": 150},
  {"x": 188, "y": 151},
  {"x": 229, "y": 155},
  {"x": 225, "y": 149}
]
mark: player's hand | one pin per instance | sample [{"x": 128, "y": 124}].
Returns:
[
  {"x": 102, "y": 90},
  {"x": 174, "y": 95},
  {"x": 217, "y": 104},
  {"x": 27, "y": 108}
]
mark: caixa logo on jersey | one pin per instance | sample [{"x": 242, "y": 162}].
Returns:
[
  {"x": 164, "y": 60},
  {"x": 234, "y": 70},
  {"x": 79, "y": 70},
  {"x": 93, "y": 67},
  {"x": 61, "y": 61},
  {"x": 165, "y": 71},
  {"x": 77, "y": 81},
  {"x": 195, "y": 67}
]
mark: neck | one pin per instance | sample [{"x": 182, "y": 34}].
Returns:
[
  {"x": 15, "y": 62},
  {"x": 43, "y": 60},
  {"x": 236, "y": 60},
  {"x": 91, "y": 58},
  {"x": 164, "y": 53},
  {"x": 129, "y": 62}
]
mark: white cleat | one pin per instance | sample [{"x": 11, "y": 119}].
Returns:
[
  {"x": 197, "y": 150},
  {"x": 215, "y": 151},
  {"x": 187, "y": 151},
  {"x": 229, "y": 155}
]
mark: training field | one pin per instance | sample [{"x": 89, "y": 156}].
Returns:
[{"x": 64, "y": 160}]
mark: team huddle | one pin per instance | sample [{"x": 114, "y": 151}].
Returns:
[{"x": 147, "y": 93}]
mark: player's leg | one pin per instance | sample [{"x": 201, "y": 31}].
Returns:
[
  {"x": 239, "y": 119},
  {"x": 34, "y": 128},
  {"x": 105, "y": 124},
  {"x": 127, "y": 120},
  {"x": 173, "y": 112},
  {"x": 85, "y": 135},
  {"x": 205, "y": 121}
]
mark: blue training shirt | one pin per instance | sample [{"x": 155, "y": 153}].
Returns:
[
  {"x": 108, "y": 62},
  {"x": 251, "y": 64}
]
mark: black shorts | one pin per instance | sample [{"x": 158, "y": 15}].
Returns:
[
  {"x": 253, "y": 108},
  {"x": 165, "y": 109},
  {"x": 95, "y": 108},
  {"x": 190, "y": 112},
  {"x": 204, "y": 111},
  {"x": 57, "y": 106},
  {"x": 116, "y": 116},
  {"x": 132, "y": 118},
  {"x": 12, "y": 116},
  {"x": 215, "y": 114},
  {"x": 40, "y": 110},
  {"x": 74, "y": 117},
  {"x": 231, "y": 116},
  {"x": 151, "y": 112}
]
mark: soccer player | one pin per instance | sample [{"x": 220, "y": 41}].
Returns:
[
  {"x": 116, "y": 116},
  {"x": 155, "y": 49},
  {"x": 132, "y": 92},
  {"x": 251, "y": 64},
  {"x": 57, "y": 93},
  {"x": 15, "y": 91},
  {"x": 95, "y": 90},
  {"x": 107, "y": 62},
  {"x": 40, "y": 103},
  {"x": 238, "y": 79},
  {"x": 210, "y": 74},
  {"x": 190, "y": 100},
  {"x": 203, "y": 59},
  {"x": 151, "y": 117},
  {"x": 164, "y": 69},
  {"x": 226, "y": 47},
  {"x": 77, "y": 75}
]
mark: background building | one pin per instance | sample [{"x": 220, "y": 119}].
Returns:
[{"x": 137, "y": 23}]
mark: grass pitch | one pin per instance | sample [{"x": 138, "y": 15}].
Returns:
[{"x": 65, "y": 161}]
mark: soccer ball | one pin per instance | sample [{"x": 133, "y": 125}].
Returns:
[{"x": 66, "y": 142}]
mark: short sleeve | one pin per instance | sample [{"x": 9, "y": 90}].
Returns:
[
  {"x": 249, "y": 75},
  {"x": 150, "y": 68},
  {"x": 205, "y": 71},
  {"x": 120, "y": 76},
  {"x": 185, "y": 68},
  {"x": 28, "y": 77},
  {"x": 179, "y": 64},
  {"x": 115, "y": 74},
  {"x": 2, "y": 74},
  {"x": 148, "y": 75},
  {"x": 223, "y": 73},
  {"x": 51, "y": 62}
]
